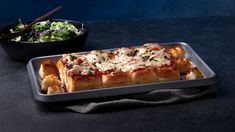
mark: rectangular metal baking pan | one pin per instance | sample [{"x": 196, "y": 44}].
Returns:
[{"x": 208, "y": 80}]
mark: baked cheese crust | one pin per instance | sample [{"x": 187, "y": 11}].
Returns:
[
  {"x": 148, "y": 63},
  {"x": 124, "y": 66}
]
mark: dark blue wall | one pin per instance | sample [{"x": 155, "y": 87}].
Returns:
[{"x": 11, "y": 10}]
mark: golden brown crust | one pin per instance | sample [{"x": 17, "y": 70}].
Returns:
[
  {"x": 47, "y": 67},
  {"x": 79, "y": 83},
  {"x": 177, "y": 52},
  {"x": 49, "y": 81},
  {"x": 61, "y": 69},
  {"x": 145, "y": 75},
  {"x": 54, "y": 89},
  {"x": 194, "y": 73},
  {"x": 170, "y": 73},
  {"x": 116, "y": 79},
  {"x": 183, "y": 65}
]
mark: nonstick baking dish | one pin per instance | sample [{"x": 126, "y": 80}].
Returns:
[{"x": 208, "y": 80}]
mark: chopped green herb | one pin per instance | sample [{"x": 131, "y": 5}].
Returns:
[
  {"x": 145, "y": 46},
  {"x": 165, "y": 57},
  {"x": 72, "y": 57},
  {"x": 133, "y": 53},
  {"x": 79, "y": 72},
  {"x": 70, "y": 67},
  {"x": 90, "y": 71},
  {"x": 145, "y": 58},
  {"x": 151, "y": 59},
  {"x": 94, "y": 64}
]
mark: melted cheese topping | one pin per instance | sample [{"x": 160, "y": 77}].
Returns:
[
  {"x": 125, "y": 59},
  {"x": 142, "y": 51},
  {"x": 96, "y": 56}
]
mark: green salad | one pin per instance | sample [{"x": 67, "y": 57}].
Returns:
[{"x": 47, "y": 31}]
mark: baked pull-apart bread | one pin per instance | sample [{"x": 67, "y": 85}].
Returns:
[
  {"x": 181, "y": 61},
  {"x": 194, "y": 73},
  {"x": 177, "y": 52},
  {"x": 47, "y": 67},
  {"x": 148, "y": 63},
  {"x": 183, "y": 64},
  {"x": 124, "y": 66},
  {"x": 50, "y": 80}
]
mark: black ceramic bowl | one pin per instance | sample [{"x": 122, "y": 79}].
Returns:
[{"x": 23, "y": 51}]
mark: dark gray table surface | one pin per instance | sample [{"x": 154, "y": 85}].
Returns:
[{"x": 213, "y": 38}]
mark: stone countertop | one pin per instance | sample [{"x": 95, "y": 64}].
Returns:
[{"x": 213, "y": 38}]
